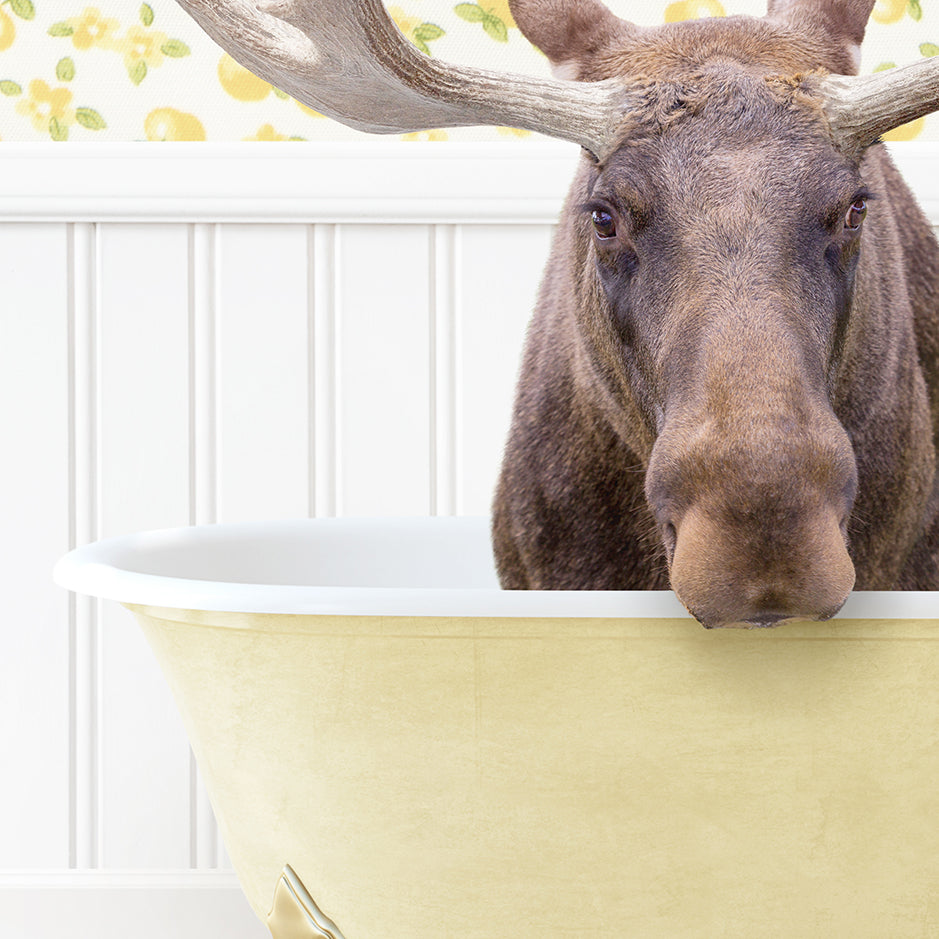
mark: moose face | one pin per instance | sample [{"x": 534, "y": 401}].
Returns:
[{"x": 725, "y": 246}]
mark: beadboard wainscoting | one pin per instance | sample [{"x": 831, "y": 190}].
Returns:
[{"x": 202, "y": 333}]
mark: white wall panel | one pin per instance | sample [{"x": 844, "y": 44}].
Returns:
[
  {"x": 445, "y": 251},
  {"x": 143, "y": 373},
  {"x": 383, "y": 335},
  {"x": 144, "y": 482},
  {"x": 324, "y": 457},
  {"x": 34, "y": 529},
  {"x": 500, "y": 267},
  {"x": 263, "y": 360}
]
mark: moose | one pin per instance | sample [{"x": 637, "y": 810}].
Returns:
[{"x": 730, "y": 384}]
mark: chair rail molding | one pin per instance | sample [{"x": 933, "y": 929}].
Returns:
[{"x": 375, "y": 181}]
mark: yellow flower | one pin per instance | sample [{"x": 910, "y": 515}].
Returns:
[
  {"x": 239, "y": 82},
  {"x": 426, "y": 135},
  {"x": 141, "y": 45},
  {"x": 513, "y": 132},
  {"x": 501, "y": 9},
  {"x": 407, "y": 24},
  {"x": 888, "y": 11},
  {"x": 692, "y": 10},
  {"x": 170, "y": 124},
  {"x": 7, "y": 31},
  {"x": 92, "y": 29},
  {"x": 43, "y": 105},
  {"x": 267, "y": 132}
]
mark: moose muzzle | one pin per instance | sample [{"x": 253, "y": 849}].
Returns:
[{"x": 755, "y": 529}]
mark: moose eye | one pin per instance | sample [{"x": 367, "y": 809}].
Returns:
[
  {"x": 603, "y": 223},
  {"x": 855, "y": 215}
]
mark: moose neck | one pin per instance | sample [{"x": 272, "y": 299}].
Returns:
[{"x": 885, "y": 392}]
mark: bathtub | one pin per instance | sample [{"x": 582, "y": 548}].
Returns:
[{"x": 396, "y": 748}]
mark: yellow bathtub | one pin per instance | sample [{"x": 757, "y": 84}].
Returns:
[{"x": 395, "y": 749}]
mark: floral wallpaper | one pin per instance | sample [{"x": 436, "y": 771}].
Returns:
[{"x": 120, "y": 70}]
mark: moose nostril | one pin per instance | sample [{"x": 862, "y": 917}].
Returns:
[{"x": 766, "y": 620}]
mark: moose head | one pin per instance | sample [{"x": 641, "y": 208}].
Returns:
[{"x": 730, "y": 383}]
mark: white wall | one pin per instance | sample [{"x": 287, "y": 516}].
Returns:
[{"x": 200, "y": 333}]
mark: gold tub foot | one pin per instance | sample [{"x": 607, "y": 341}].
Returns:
[{"x": 294, "y": 915}]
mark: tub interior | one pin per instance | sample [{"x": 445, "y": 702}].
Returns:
[{"x": 416, "y": 553}]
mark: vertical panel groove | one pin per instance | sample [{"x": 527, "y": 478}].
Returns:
[
  {"x": 72, "y": 543},
  {"x": 202, "y": 374},
  {"x": 311, "y": 395},
  {"x": 434, "y": 331},
  {"x": 84, "y": 526},
  {"x": 443, "y": 431},
  {"x": 203, "y": 475},
  {"x": 333, "y": 352},
  {"x": 325, "y": 444},
  {"x": 457, "y": 377},
  {"x": 96, "y": 682}
]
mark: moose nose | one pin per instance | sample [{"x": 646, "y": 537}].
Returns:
[{"x": 725, "y": 577}]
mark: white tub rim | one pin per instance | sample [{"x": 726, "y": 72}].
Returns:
[{"x": 116, "y": 569}]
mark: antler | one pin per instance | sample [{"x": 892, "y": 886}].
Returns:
[
  {"x": 861, "y": 108},
  {"x": 347, "y": 59}
]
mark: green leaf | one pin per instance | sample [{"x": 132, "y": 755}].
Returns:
[
  {"x": 929, "y": 49},
  {"x": 174, "y": 48},
  {"x": 65, "y": 70},
  {"x": 24, "y": 9},
  {"x": 146, "y": 14},
  {"x": 885, "y": 66},
  {"x": 496, "y": 28},
  {"x": 428, "y": 32},
  {"x": 915, "y": 10},
  {"x": 473, "y": 12},
  {"x": 10, "y": 89},
  {"x": 281, "y": 94},
  {"x": 137, "y": 71},
  {"x": 422, "y": 46},
  {"x": 61, "y": 29},
  {"x": 90, "y": 119},
  {"x": 58, "y": 131}
]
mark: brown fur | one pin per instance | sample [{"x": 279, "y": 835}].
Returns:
[{"x": 734, "y": 390}]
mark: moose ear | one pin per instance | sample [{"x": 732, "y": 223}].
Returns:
[
  {"x": 568, "y": 32},
  {"x": 840, "y": 22}
]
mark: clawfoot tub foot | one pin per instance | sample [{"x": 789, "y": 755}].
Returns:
[{"x": 294, "y": 915}]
